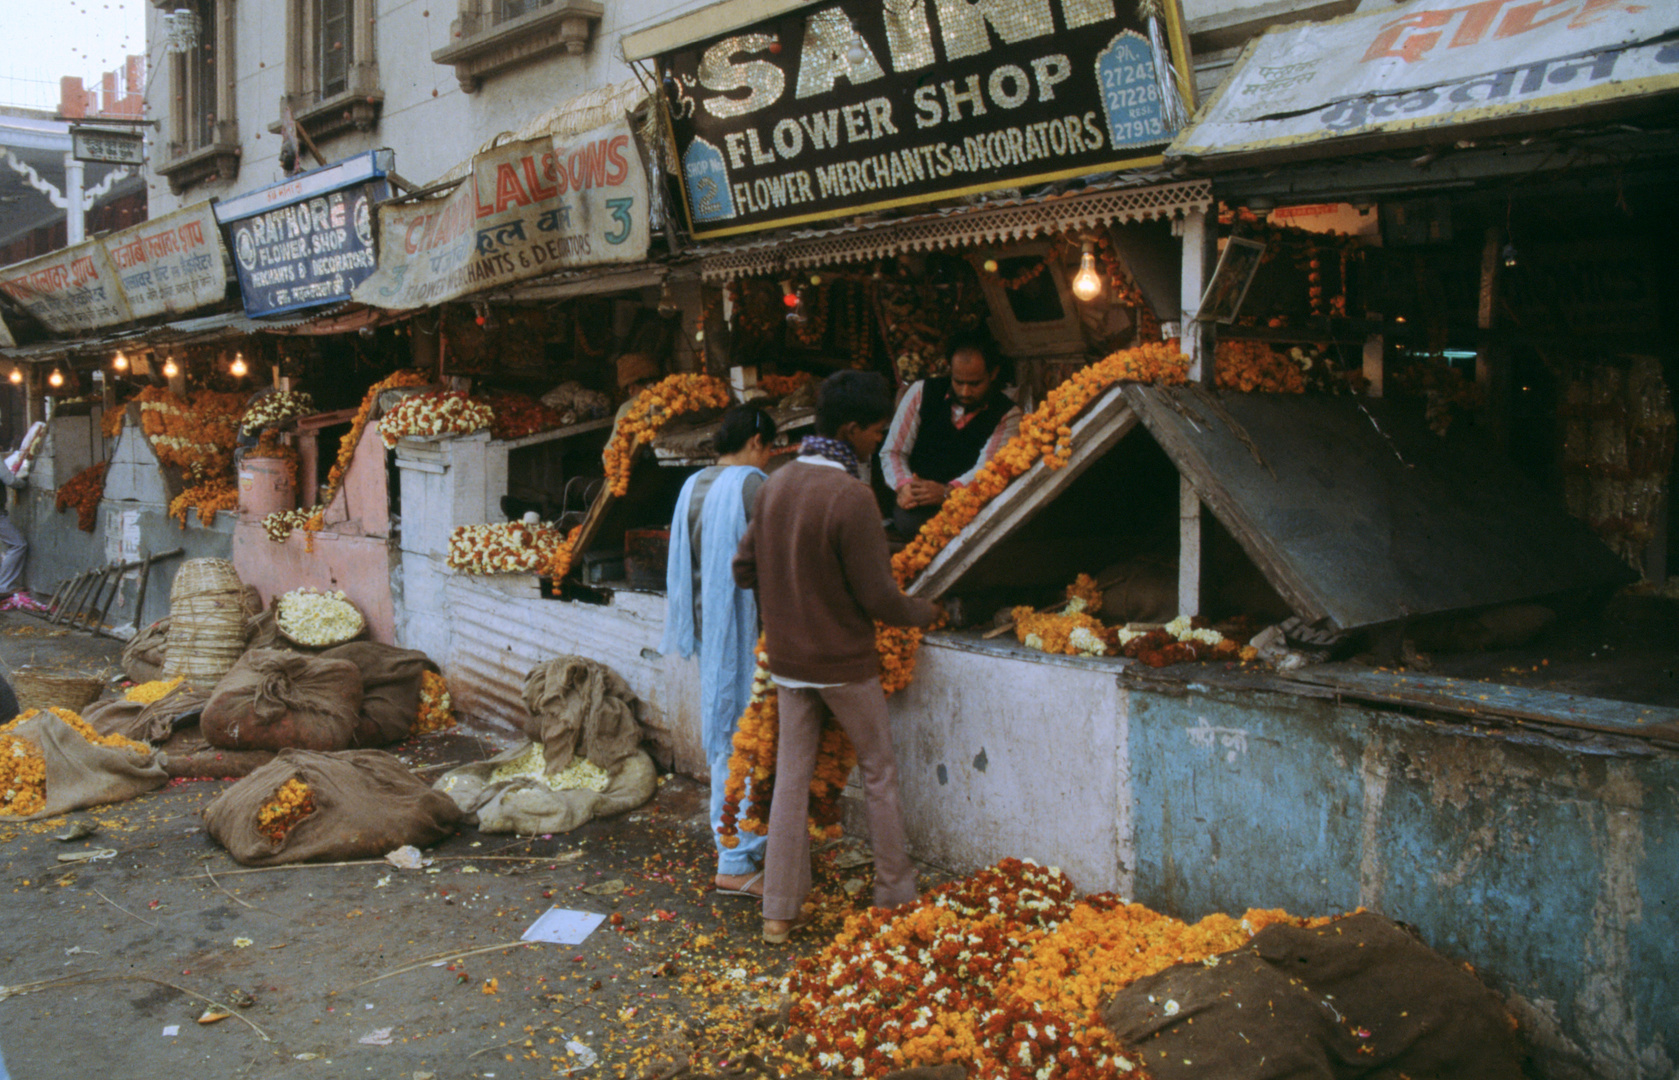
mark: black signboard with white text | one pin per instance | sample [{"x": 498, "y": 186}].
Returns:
[
  {"x": 306, "y": 241},
  {"x": 842, "y": 108}
]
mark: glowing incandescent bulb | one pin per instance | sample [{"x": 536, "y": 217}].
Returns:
[
  {"x": 238, "y": 368},
  {"x": 56, "y": 379},
  {"x": 1087, "y": 284},
  {"x": 16, "y": 376},
  {"x": 119, "y": 363},
  {"x": 170, "y": 370}
]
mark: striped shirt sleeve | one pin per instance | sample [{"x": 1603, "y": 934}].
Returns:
[{"x": 900, "y": 439}]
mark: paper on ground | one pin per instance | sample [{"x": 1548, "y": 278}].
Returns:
[{"x": 561, "y": 926}]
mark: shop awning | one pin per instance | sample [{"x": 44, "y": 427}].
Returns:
[
  {"x": 995, "y": 221},
  {"x": 1354, "y": 511},
  {"x": 1432, "y": 71},
  {"x": 200, "y": 330}
]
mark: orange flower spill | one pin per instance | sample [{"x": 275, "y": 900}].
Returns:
[
  {"x": 290, "y": 804},
  {"x": 23, "y": 769}
]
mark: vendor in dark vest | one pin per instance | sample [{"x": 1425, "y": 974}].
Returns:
[{"x": 945, "y": 430}]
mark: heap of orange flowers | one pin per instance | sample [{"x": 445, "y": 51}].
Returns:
[
  {"x": 437, "y": 707},
  {"x": 209, "y": 497},
  {"x": 1044, "y": 435},
  {"x": 1248, "y": 366},
  {"x": 83, "y": 492},
  {"x": 196, "y": 433},
  {"x": 291, "y": 803},
  {"x": 652, "y": 409},
  {"x": 110, "y": 425},
  {"x": 782, "y": 385},
  {"x": 517, "y": 416},
  {"x": 1000, "y": 972},
  {"x": 347, "y": 448},
  {"x": 23, "y": 768}
]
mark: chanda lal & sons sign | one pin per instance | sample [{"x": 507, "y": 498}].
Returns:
[{"x": 867, "y": 104}]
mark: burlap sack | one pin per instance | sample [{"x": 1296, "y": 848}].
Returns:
[
  {"x": 390, "y": 688},
  {"x": 274, "y": 699},
  {"x": 527, "y": 807},
  {"x": 142, "y": 658},
  {"x": 80, "y": 774},
  {"x": 367, "y": 803},
  {"x": 186, "y": 754},
  {"x": 147, "y": 723},
  {"x": 1264, "y": 1011},
  {"x": 581, "y": 707}
]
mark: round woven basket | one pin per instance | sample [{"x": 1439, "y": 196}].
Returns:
[
  {"x": 44, "y": 689},
  {"x": 206, "y": 622},
  {"x": 280, "y": 630}
]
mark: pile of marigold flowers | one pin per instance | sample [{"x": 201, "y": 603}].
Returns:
[
  {"x": 508, "y": 548},
  {"x": 517, "y": 416},
  {"x": 447, "y": 412},
  {"x": 208, "y": 497},
  {"x": 1255, "y": 366},
  {"x": 1002, "y": 972},
  {"x": 782, "y": 385},
  {"x": 652, "y": 409},
  {"x": 84, "y": 491},
  {"x": 291, "y": 803},
  {"x": 270, "y": 446},
  {"x": 1182, "y": 640},
  {"x": 23, "y": 769},
  {"x": 195, "y": 433},
  {"x": 437, "y": 706},
  {"x": 110, "y": 424},
  {"x": 147, "y": 692}
]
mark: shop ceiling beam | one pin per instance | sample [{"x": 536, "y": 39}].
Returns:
[
  {"x": 1011, "y": 221},
  {"x": 1099, "y": 430}
]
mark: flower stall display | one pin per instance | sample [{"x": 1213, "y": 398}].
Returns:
[
  {"x": 23, "y": 768},
  {"x": 517, "y": 416},
  {"x": 208, "y": 497},
  {"x": 1249, "y": 366},
  {"x": 275, "y": 408},
  {"x": 652, "y": 409},
  {"x": 83, "y": 492},
  {"x": 1002, "y": 972},
  {"x": 293, "y": 801},
  {"x": 1045, "y": 435},
  {"x": 403, "y": 377},
  {"x": 437, "y": 706},
  {"x": 197, "y": 433},
  {"x": 282, "y": 523},
  {"x": 508, "y": 548},
  {"x": 447, "y": 412},
  {"x": 777, "y": 386},
  {"x": 316, "y": 618}
]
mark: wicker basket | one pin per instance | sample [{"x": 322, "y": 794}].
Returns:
[
  {"x": 280, "y": 630},
  {"x": 38, "y": 689},
  {"x": 206, "y": 622}
]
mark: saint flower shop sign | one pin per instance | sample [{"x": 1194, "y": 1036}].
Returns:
[{"x": 866, "y": 104}]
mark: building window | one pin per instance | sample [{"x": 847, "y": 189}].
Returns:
[
  {"x": 203, "y": 136},
  {"x": 491, "y": 36},
  {"x": 332, "y": 74}
]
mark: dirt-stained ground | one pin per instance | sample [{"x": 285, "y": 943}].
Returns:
[{"x": 371, "y": 971}]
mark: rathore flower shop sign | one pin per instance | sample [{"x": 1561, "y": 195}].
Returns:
[{"x": 865, "y": 104}]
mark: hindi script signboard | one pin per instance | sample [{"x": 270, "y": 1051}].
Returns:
[
  {"x": 866, "y": 104},
  {"x": 71, "y": 290},
  {"x": 170, "y": 264},
  {"x": 529, "y": 208}
]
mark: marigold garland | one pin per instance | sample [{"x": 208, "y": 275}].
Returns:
[
  {"x": 403, "y": 377},
  {"x": 560, "y": 560},
  {"x": 507, "y": 548},
  {"x": 652, "y": 409},
  {"x": 437, "y": 706},
  {"x": 291, "y": 803},
  {"x": 1001, "y": 972},
  {"x": 1044, "y": 435},
  {"x": 84, "y": 491},
  {"x": 195, "y": 433},
  {"x": 208, "y": 498}
]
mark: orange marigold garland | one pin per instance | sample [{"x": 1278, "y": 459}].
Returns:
[
  {"x": 564, "y": 553},
  {"x": 84, "y": 491},
  {"x": 403, "y": 377},
  {"x": 1044, "y": 435},
  {"x": 1001, "y": 972},
  {"x": 208, "y": 498},
  {"x": 651, "y": 410}
]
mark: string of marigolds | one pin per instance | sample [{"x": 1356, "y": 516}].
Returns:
[
  {"x": 437, "y": 705},
  {"x": 208, "y": 497},
  {"x": 652, "y": 409},
  {"x": 1045, "y": 435},
  {"x": 83, "y": 492},
  {"x": 403, "y": 377}
]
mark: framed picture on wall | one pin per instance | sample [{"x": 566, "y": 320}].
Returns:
[{"x": 1237, "y": 264}]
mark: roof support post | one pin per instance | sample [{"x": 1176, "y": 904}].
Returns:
[
  {"x": 1189, "y": 548},
  {"x": 1200, "y": 254}
]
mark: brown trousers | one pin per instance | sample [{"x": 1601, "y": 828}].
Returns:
[{"x": 860, "y": 708}]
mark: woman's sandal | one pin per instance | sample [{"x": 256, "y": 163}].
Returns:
[
  {"x": 777, "y": 931},
  {"x": 744, "y": 889}
]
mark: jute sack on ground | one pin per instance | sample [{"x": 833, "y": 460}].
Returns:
[
  {"x": 142, "y": 658},
  {"x": 390, "y": 688},
  {"x": 80, "y": 774},
  {"x": 367, "y": 803},
  {"x": 142, "y": 722},
  {"x": 274, "y": 699},
  {"x": 1399, "y": 1009},
  {"x": 526, "y": 806},
  {"x": 581, "y": 708}
]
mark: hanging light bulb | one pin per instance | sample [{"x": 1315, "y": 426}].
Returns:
[
  {"x": 170, "y": 370},
  {"x": 858, "y": 54},
  {"x": 16, "y": 376},
  {"x": 1509, "y": 255},
  {"x": 238, "y": 368},
  {"x": 119, "y": 363},
  {"x": 1087, "y": 284},
  {"x": 56, "y": 379}
]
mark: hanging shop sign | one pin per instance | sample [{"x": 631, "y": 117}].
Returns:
[
  {"x": 528, "y": 208},
  {"x": 103, "y": 144},
  {"x": 865, "y": 104},
  {"x": 170, "y": 264},
  {"x": 1427, "y": 66},
  {"x": 70, "y": 290},
  {"x": 306, "y": 241}
]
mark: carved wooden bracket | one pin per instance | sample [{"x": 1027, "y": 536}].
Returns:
[{"x": 480, "y": 51}]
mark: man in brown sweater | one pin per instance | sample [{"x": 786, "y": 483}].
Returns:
[{"x": 816, "y": 554}]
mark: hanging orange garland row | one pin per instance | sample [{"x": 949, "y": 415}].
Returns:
[{"x": 652, "y": 409}]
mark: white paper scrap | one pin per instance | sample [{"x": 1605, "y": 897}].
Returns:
[
  {"x": 561, "y": 926},
  {"x": 171, "y": 1031}
]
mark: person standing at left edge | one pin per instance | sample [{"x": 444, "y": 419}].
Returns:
[
  {"x": 705, "y": 610},
  {"x": 17, "y": 549}
]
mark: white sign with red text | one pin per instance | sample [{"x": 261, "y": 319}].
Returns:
[
  {"x": 172, "y": 263},
  {"x": 527, "y": 209},
  {"x": 73, "y": 289}
]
